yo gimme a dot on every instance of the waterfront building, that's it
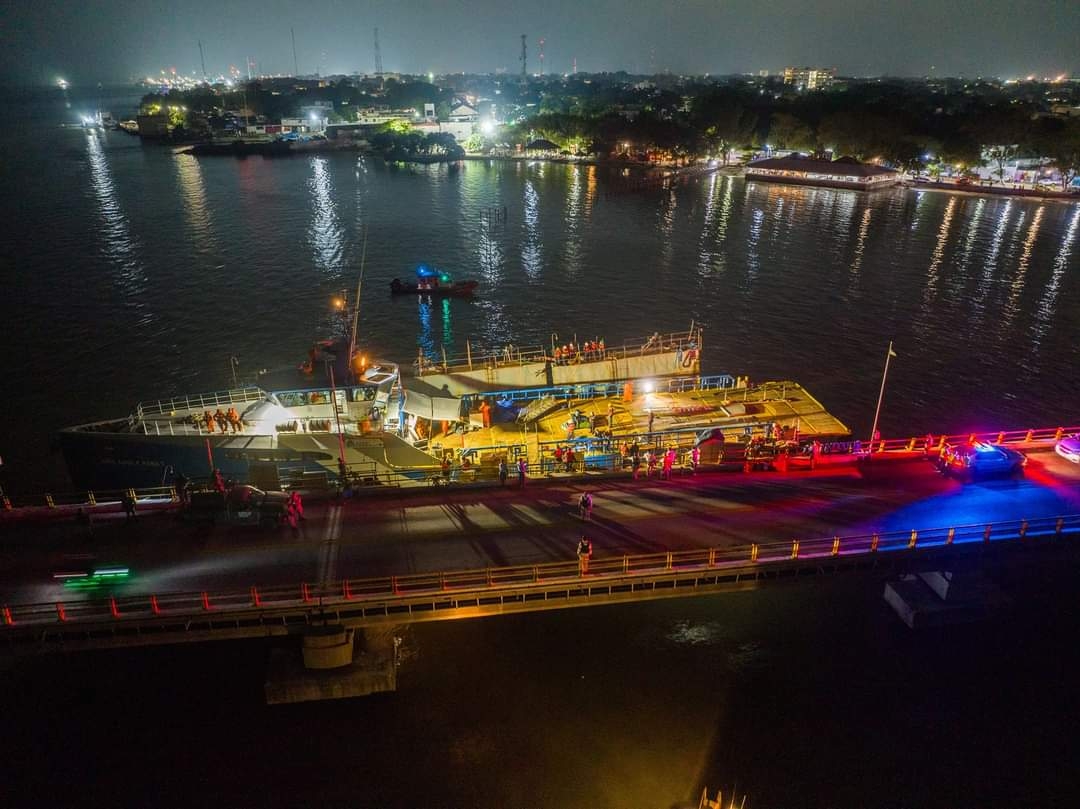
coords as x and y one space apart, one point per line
809 78
845 172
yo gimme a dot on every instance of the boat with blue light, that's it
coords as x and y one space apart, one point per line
434 282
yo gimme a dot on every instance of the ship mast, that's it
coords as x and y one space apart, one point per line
356 304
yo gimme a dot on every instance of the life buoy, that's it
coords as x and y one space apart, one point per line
689 358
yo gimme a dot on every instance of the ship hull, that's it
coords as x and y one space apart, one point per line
103 460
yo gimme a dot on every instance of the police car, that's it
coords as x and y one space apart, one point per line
980 460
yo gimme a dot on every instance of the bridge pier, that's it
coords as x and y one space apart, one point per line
942 597
333 662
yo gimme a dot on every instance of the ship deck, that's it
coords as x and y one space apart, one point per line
676 419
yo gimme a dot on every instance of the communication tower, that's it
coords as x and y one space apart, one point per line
378 54
541 56
524 60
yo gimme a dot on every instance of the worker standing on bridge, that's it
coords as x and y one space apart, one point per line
584 554
485 414
208 420
523 470
503 472
585 506
695 459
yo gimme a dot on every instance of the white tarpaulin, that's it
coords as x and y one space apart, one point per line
428 402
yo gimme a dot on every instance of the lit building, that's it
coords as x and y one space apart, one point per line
845 172
809 78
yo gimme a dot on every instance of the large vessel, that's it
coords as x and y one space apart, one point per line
340 414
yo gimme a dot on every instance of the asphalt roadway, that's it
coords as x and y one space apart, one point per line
434 530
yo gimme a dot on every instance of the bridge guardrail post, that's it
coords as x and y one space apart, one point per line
712 557
394 585
986 532
667 562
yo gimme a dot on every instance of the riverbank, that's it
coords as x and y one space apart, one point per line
980 191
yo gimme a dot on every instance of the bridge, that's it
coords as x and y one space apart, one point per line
458 552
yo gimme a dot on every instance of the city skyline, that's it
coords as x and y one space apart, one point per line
44 41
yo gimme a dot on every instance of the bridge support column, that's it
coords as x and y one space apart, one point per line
335 662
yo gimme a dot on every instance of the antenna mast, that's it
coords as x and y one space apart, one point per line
202 60
524 62
378 54
295 64
356 305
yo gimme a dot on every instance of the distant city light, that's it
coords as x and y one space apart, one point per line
488 128
62 84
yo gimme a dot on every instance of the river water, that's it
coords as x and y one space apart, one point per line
135 272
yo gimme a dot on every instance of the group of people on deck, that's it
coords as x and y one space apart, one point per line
586 352
223 420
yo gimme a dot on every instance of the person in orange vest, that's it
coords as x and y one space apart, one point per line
208 419
234 419
485 413
223 422
628 392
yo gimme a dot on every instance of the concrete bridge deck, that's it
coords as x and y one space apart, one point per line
438 531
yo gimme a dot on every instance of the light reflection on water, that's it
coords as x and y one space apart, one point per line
118 244
325 233
531 251
189 177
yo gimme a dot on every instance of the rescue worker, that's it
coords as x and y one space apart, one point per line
485 414
585 506
584 553
234 419
503 472
523 470
569 459
297 504
628 392
222 421
208 420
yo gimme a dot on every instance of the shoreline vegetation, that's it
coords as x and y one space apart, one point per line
1026 132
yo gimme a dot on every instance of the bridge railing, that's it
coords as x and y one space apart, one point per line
202 401
390 590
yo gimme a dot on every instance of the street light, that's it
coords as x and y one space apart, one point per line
881 395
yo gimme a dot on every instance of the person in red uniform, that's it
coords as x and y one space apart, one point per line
485 413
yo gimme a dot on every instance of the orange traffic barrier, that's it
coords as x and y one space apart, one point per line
345 591
255 599
61 613
1060 432
115 610
154 606
7 616
205 601
305 593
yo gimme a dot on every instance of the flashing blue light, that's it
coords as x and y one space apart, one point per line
424 271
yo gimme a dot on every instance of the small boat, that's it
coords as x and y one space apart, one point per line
430 281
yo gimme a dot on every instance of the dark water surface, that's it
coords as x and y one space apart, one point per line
132 272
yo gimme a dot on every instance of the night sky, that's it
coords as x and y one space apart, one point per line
113 40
